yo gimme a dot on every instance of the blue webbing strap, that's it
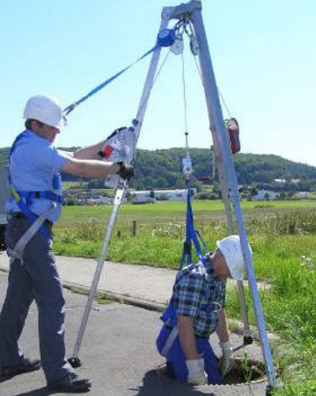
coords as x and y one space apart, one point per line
71 107
190 233
207 250
50 195
17 139
190 236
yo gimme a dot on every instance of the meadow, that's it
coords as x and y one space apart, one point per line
283 239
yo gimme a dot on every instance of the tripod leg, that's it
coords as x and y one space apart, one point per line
74 359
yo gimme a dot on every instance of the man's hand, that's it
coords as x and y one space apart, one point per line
226 364
196 373
126 171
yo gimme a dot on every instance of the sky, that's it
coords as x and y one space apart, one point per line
263 54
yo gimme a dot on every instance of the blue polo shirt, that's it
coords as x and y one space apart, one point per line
34 166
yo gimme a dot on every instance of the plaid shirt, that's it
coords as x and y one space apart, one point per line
199 294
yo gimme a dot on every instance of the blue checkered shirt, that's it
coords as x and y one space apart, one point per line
199 294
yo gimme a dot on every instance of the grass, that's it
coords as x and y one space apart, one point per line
283 241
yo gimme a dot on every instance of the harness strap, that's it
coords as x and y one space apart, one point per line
190 233
169 342
17 252
17 139
50 195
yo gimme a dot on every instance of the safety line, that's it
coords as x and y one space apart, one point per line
153 83
221 96
71 107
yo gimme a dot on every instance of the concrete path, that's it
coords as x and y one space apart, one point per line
140 282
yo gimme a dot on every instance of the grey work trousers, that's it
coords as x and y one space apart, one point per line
37 279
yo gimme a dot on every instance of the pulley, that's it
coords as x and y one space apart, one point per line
187 165
166 37
178 46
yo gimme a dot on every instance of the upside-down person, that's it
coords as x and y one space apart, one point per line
34 206
196 310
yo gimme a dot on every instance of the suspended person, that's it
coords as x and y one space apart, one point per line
36 200
196 310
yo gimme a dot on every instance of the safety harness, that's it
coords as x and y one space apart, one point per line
24 201
169 314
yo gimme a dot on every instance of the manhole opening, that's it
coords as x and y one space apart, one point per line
245 371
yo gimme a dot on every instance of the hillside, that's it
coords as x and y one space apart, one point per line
163 169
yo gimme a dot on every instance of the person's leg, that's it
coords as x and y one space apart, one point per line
40 263
175 360
15 308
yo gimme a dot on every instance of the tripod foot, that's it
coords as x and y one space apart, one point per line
248 340
270 389
74 361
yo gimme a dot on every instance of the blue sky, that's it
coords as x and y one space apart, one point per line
263 55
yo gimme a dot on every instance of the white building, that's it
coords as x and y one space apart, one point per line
303 195
160 195
265 195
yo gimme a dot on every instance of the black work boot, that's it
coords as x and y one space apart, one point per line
26 366
70 384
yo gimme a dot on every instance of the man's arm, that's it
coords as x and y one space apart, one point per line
222 326
90 168
223 335
187 337
194 362
90 152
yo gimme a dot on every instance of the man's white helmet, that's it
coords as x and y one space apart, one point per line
45 109
231 249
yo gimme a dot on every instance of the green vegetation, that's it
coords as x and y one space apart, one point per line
160 169
282 235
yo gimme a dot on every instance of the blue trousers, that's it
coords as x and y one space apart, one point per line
176 357
37 279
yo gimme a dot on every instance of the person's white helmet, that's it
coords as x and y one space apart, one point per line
45 109
231 249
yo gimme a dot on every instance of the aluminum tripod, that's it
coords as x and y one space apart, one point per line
228 180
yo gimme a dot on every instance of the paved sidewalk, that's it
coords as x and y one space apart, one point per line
140 282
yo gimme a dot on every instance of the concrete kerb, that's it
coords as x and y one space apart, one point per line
121 298
234 325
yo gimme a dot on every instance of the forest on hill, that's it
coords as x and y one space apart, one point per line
158 169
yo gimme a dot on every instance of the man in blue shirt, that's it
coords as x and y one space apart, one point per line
34 206
196 310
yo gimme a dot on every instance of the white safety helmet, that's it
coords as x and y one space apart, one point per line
231 249
45 109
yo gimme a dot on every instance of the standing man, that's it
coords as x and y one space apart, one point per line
196 310
34 206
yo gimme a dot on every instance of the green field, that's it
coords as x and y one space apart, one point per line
283 240
164 210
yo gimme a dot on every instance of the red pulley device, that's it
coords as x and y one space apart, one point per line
233 133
